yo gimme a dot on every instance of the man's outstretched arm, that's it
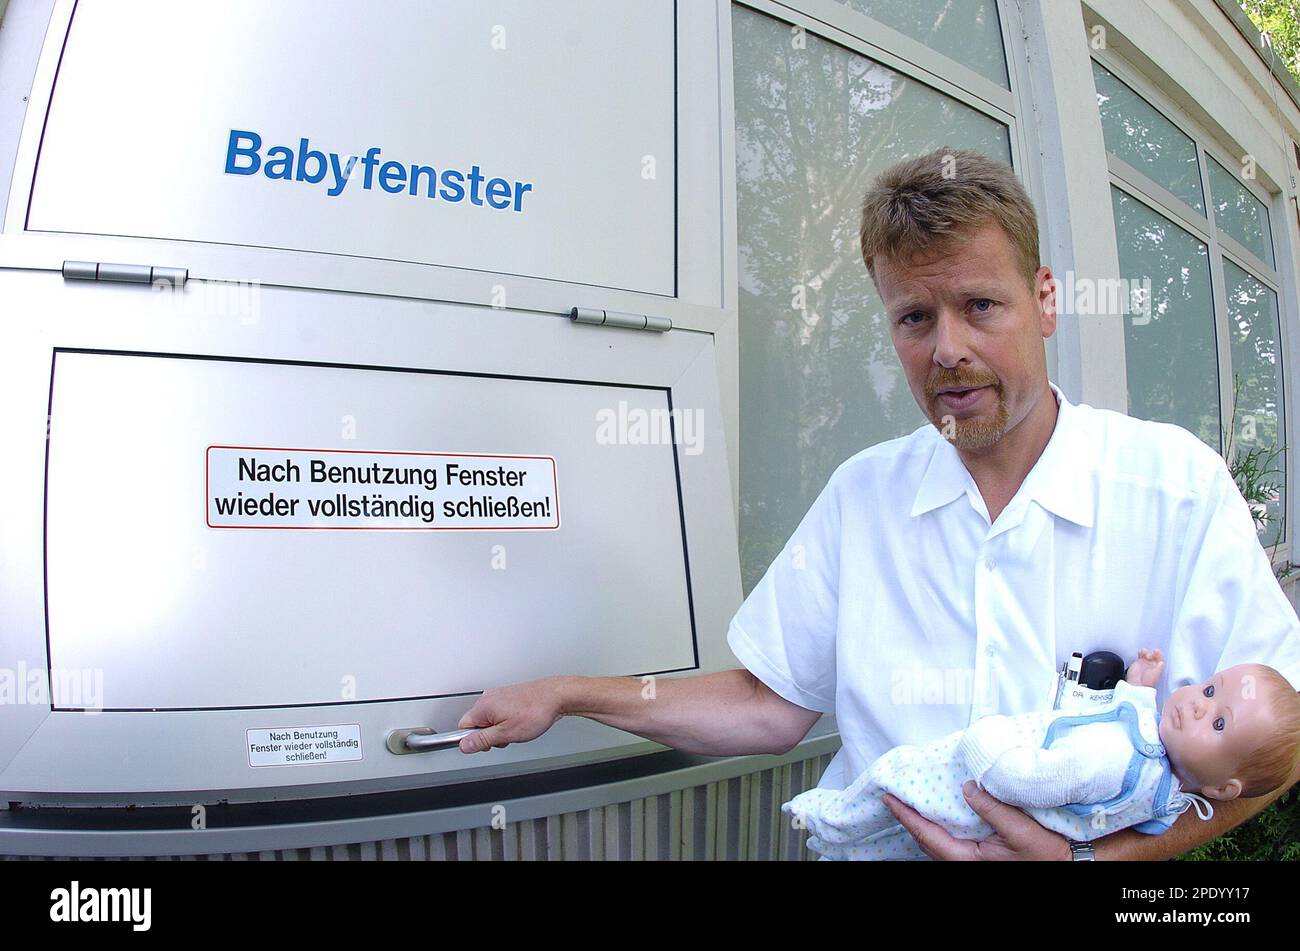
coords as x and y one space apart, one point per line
724 714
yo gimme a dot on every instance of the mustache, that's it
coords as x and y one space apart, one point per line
945 379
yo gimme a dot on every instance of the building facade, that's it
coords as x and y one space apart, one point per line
1158 140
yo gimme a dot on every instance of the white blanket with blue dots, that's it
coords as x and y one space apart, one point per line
1006 756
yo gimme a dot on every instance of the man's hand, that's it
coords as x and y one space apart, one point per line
513 714
1146 670
1015 833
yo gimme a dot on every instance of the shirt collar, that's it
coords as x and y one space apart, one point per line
1059 481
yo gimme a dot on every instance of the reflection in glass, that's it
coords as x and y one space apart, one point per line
1257 378
1239 213
965 30
1135 132
1173 372
819 379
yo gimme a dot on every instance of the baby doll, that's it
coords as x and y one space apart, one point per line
1081 775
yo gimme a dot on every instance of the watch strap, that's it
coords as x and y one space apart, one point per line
1082 852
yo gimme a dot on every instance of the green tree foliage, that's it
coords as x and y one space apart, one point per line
1280 19
1273 835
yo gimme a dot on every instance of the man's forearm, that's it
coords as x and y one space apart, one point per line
714 714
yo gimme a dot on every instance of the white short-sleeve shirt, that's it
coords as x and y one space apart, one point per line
897 606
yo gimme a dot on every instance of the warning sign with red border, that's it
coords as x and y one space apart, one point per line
358 490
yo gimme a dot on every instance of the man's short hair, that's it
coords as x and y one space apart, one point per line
923 203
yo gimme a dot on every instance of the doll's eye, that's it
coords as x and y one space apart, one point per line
1218 724
1209 690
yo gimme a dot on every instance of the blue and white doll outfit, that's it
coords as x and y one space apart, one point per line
1083 775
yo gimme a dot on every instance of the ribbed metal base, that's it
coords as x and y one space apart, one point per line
738 818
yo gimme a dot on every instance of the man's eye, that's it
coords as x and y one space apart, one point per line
985 301
907 318
1209 691
1218 724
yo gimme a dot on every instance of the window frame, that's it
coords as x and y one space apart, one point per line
895 44
1220 245
858 33
837 23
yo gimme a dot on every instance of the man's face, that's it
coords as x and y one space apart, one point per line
969 333
1210 729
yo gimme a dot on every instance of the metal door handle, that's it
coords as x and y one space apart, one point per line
422 739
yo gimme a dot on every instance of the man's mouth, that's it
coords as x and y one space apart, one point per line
959 397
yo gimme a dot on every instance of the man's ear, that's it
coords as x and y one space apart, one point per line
1045 291
1224 792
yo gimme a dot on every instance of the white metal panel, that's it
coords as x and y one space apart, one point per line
180 613
20 47
190 756
569 105
703 234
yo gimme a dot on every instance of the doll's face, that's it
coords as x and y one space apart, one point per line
1209 729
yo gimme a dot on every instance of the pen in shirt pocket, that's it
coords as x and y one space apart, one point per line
1068 677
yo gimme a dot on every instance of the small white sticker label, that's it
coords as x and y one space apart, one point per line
304 745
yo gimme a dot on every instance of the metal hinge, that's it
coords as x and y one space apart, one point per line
614 318
124 273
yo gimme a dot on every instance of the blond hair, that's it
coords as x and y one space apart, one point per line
1273 762
923 203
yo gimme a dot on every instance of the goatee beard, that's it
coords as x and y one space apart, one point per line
973 433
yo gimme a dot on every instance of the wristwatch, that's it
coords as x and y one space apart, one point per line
1082 851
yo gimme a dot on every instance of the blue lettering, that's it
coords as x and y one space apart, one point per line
304 156
520 188
455 180
244 157
234 150
372 156
342 175
498 193
281 165
417 171
392 177
475 179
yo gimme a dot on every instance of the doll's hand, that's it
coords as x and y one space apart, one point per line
1146 670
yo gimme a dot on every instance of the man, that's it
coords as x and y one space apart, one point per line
975 554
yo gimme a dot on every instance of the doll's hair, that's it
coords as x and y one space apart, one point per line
1273 762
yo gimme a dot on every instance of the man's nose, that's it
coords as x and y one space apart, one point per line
950 344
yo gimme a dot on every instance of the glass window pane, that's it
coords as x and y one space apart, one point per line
965 30
1239 213
819 379
1172 363
1257 382
1140 135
